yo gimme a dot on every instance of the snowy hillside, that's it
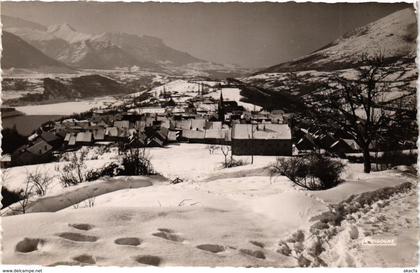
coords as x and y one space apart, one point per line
394 36
186 89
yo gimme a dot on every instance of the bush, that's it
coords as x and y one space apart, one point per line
136 162
110 170
74 172
233 163
9 197
395 158
11 140
313 171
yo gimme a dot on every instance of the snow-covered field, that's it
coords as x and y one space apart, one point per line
234 94
215 217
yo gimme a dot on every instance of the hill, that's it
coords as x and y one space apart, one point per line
19 54
394 36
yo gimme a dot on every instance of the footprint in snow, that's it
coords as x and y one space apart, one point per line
85 259
81 226
29 245
254 253
148 260
77 237
211 248
128 241
168 234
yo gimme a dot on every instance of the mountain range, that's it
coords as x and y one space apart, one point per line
394 36
75 49
63 46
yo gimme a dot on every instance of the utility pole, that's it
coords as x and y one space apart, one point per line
251 146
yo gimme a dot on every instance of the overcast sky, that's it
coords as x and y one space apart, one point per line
248 34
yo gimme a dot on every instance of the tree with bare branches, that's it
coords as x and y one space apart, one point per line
227 153
355 104
40 181
75 171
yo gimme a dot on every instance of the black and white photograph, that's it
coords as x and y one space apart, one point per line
209 134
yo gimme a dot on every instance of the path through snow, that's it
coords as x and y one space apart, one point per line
384 235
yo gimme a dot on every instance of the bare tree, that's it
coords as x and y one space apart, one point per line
355 105
25 194
212 148
226 151
75 171
40 181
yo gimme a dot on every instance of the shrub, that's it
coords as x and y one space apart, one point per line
313 171
9 197
110 170
395 158
233 163
40 181
136 162
11 140
74 172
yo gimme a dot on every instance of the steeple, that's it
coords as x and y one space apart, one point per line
221 108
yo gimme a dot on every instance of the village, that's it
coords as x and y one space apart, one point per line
193 111
209 134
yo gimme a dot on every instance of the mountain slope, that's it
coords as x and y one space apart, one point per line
103 51
394 36
67 33
19 54
147 48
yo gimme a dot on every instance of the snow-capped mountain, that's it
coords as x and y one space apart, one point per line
67 33
19 54
147 48
108 50
394 36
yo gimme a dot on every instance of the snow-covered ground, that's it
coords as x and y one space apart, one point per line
190 89
387 235
234 94
215 217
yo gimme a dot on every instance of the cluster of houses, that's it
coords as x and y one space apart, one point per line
306 141
170 117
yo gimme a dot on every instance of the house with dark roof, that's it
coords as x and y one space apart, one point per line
344 146
137 140
306 143
51 138
39 152
261 139
324 141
